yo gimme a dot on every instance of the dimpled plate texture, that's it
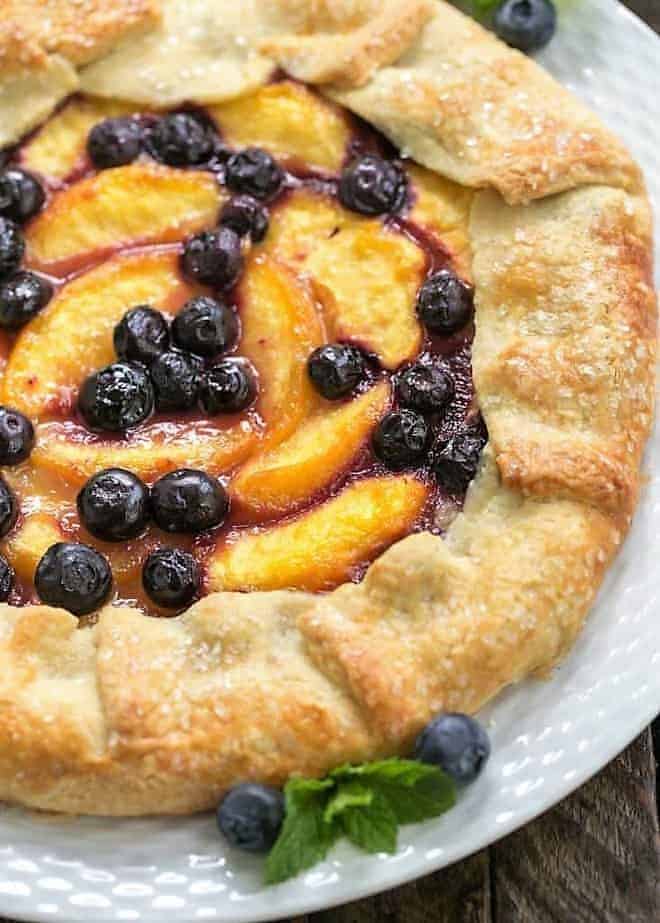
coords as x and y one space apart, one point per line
548 737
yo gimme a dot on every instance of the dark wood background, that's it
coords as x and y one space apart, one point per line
595 858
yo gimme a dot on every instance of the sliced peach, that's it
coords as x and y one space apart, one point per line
311 459
443 209
281 328
29 542
320 548
290 121
140 203
73 336
303 221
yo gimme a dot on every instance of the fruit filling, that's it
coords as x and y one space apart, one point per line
235 350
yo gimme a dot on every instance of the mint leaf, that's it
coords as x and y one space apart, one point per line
350 795
373 827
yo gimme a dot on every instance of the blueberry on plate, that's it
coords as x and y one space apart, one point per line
457 744
205 326
176 378
76 577
6 579
253 171
21 194
230 386
117 397
22 296
114 142
16 436
188 501
373 186
114 505
12 247
425 387
444 303
141 334
401 439
454 461
525 24
171 577
213 258
180 139
250 816
336 369
245 215
8 508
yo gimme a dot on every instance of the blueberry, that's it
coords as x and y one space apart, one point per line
245 215
188 501
114 142
250 816
373 186
114 505
401 439
176 379
444 303
22 296
457 744
117 397
74 577
454 461
336 369
141 334
205 326
255 172
213 258
21 194
12 247
6 579
526 24
8 508
16 437
180 140
230 386
426 388
171 578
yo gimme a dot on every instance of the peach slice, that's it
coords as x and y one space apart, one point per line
29 542
311 459
320 548
140 203
73 336
443 209
280 329
290 121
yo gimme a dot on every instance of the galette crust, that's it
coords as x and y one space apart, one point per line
137 715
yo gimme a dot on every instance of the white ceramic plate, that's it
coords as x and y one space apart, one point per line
547 737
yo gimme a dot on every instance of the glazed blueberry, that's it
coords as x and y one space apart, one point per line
336 369
230 386
6 579
176 378
454 461
22 296
373 186
117 397
205 326
526 24
21 194
114 505
12 247
457 744
401 439
141 334
16 437
245 215
188 501
114 142
444 303
171 578
8 508
180 140
255 172
213 258
75 577
426 388
250 816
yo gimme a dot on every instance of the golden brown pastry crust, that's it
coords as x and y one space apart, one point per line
138 715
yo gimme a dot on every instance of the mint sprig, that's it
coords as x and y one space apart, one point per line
365 803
